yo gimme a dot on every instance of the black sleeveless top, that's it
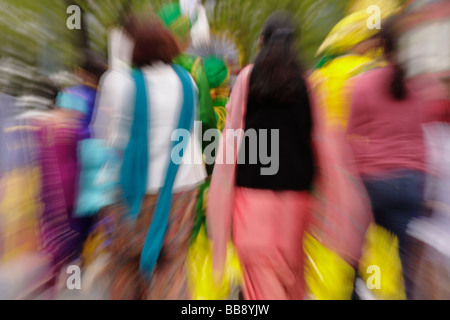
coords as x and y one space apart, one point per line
292 165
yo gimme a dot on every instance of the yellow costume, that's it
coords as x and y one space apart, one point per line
328 276
332 88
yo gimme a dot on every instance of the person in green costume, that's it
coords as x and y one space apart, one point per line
217 75
179 24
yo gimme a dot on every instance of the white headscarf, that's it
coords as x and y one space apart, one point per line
200 32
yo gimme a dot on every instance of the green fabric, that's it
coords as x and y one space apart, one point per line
186 61
221 101
325 60
216 71
178 23
194 66
170 13
200 219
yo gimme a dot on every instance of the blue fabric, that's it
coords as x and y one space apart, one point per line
88 94
96 185
70 101
133 175
158 227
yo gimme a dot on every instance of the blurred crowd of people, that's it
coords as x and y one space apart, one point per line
358 205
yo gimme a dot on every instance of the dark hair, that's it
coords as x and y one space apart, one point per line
277 71
152 41
94 63
389 38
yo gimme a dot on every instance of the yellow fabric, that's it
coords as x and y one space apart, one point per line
327 275
220 92
387 7
19 208
353 28
381 251
221 113
200 271
95 245
333 89
347 33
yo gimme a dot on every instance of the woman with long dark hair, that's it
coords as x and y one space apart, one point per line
385 132
267 201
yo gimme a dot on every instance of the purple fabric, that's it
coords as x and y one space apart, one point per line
58 140
89 95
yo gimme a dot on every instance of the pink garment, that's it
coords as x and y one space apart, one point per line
341 209
341 206
221 191
268 228
436 98
385 134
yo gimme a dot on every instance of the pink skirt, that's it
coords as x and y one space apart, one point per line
268 228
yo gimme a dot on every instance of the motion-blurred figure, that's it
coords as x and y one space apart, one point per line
214 54
179 19
350 48
269 212
385 132
158 193
89 74
30 255
76 106
424 30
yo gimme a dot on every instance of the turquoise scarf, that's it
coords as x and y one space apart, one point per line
134 170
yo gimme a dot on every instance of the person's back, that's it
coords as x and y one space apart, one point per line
152 107
267 206
165 101
291 116
385 133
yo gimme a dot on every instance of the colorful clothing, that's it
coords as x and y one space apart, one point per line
268 228
58 139
40 179
217 73
20 185
155 219
333 85
81 101
354 28
339 65
88 94
178 23
341 212
127 243
381 137
389 151
194 65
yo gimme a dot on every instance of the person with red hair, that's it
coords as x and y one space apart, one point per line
157 194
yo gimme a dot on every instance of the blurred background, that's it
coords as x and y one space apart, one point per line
39 57
36 43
